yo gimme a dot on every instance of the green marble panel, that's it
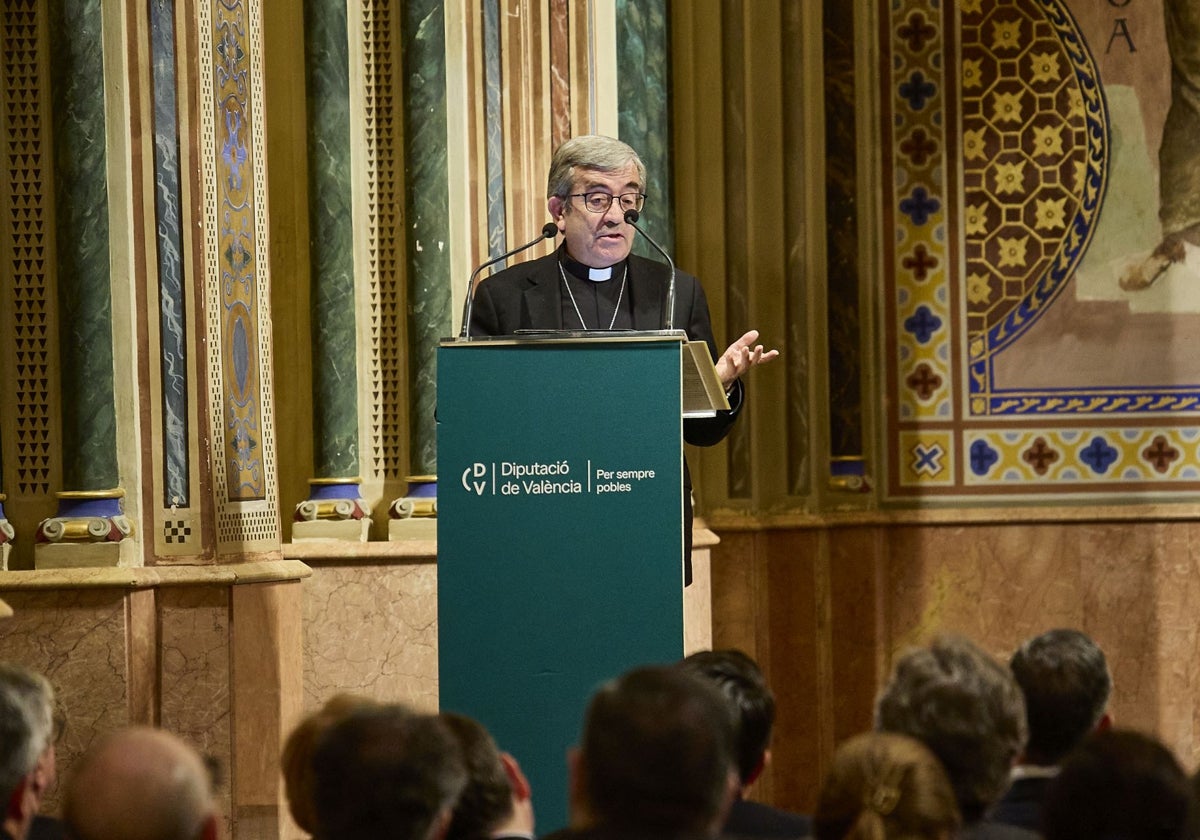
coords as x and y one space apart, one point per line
331 240
644 111
82 230
427 199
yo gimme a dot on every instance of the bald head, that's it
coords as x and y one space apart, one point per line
140 784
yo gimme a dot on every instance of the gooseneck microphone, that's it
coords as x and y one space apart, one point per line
549 231
631 217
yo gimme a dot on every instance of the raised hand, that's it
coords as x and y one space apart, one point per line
740 356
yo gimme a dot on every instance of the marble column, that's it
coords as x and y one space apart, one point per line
424 54
334 507
90 523
643 109
497 229
423 36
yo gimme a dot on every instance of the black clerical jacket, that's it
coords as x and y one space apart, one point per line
529 296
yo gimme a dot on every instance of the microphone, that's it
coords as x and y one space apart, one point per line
549 231
631 217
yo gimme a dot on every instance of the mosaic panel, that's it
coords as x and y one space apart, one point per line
385 211
28 327
238 246
1000 139
928 459
239 341
921 302
1034 164
1057 456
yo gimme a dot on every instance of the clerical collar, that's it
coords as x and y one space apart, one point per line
583 272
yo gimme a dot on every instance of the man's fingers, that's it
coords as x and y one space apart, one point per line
747 339
744 354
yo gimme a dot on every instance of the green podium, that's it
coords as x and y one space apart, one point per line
560 537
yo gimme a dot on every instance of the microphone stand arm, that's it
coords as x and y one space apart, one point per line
549 231
631 217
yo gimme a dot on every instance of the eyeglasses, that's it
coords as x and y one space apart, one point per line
599 202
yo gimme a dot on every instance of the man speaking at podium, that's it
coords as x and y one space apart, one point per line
592 282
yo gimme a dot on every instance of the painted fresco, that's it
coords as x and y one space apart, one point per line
237 281
1043 292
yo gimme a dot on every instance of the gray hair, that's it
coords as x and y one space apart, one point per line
967 708
26 723
1065 679
590 151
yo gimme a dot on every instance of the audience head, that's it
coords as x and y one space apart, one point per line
27 761
386 772
592 152
966 707
657 755
1195 782
1119 784
739 678
884 786
1066 683
496 798
298 754
140 784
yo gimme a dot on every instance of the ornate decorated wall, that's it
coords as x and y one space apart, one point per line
1022 156
984 421
222 318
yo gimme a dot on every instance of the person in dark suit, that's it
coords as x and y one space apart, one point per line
296 761
741 681
1066 683
1120 784
593 283
968 710
28 767
496 803
656 760
384 772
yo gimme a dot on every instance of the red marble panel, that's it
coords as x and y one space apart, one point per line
194 674
77 640
858 643
371 630
797 664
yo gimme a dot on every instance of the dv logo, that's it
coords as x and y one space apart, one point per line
474 478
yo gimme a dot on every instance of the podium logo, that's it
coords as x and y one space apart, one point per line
474 478
550 478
